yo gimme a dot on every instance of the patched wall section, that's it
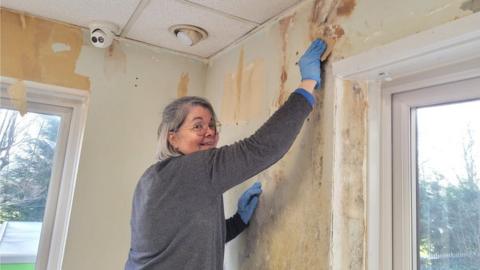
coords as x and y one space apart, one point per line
38 50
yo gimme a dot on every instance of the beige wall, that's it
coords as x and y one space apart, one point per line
119 144
129 87
312 211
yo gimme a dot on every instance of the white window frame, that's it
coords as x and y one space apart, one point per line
428 58
404 107
58 208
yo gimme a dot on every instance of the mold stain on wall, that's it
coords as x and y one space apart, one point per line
284 26
473 5
322 24
243 92
291 228
345 7
349 228
28 50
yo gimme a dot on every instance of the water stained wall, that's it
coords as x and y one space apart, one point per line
348 246
311 214
312 211
243 92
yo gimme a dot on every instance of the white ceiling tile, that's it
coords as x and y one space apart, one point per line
77 12
254 10
153 23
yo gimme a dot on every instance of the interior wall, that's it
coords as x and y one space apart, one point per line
312 211
129 87
119 144
310 189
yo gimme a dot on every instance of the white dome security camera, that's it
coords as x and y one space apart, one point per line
102 33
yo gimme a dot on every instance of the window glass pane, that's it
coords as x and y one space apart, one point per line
448 186
27 148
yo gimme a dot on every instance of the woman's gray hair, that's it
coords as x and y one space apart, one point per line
173 117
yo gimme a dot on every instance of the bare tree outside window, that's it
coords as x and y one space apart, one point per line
27 151
448 187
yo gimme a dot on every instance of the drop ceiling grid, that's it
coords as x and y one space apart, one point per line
77 12
254 10
153 23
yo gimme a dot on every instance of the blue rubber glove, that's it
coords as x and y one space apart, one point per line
248 202
310 62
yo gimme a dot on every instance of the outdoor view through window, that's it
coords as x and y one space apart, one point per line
27 150
448 186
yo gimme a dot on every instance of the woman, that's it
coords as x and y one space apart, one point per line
177 216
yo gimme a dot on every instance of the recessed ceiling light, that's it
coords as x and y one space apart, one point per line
188 35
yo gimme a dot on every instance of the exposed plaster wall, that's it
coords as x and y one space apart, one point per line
39 50
291 228
312 211
129 86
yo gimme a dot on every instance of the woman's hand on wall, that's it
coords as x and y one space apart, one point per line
310 65
248 202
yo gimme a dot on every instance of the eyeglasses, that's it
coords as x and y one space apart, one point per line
201 128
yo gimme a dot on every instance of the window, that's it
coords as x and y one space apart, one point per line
38 156
448 186
436 184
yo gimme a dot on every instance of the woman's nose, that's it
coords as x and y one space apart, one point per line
210 131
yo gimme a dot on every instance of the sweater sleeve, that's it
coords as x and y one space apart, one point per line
235 226
230 165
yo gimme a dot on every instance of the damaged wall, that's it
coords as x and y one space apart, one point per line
313 195
39 50
312 211
129 86
348 242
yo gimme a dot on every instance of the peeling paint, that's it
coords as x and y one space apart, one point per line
243 93
345 7
330 33
18 95
472 5
238 89
26 50
319 28
22 21
182 88
318 16
284 25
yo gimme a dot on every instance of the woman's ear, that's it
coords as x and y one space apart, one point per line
172 139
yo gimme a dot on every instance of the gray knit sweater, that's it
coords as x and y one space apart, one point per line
177 216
